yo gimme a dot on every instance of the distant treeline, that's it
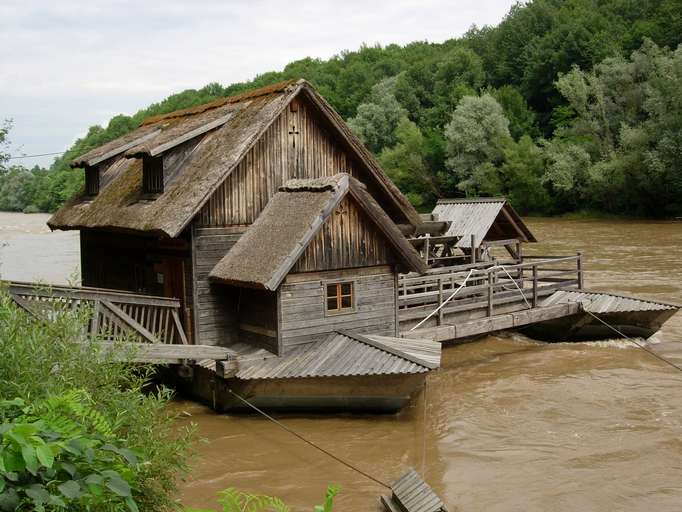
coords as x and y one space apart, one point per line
564 106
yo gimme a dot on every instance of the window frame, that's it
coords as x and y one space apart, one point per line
338 296
152 175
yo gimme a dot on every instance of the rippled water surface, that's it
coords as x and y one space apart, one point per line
508 424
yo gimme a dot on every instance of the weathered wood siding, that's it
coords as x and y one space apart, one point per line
296 145
303 316
215 305
348 239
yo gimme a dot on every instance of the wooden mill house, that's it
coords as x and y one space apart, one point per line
278 233
257 237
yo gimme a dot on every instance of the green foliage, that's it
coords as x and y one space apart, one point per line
61 454
115 406
235 500
552 66
475 139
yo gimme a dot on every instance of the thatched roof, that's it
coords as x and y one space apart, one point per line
265 254
488 218
223 131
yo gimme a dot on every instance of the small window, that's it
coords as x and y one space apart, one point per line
339 297
152 174
92 181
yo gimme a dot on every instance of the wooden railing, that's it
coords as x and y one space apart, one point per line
486 286
115 314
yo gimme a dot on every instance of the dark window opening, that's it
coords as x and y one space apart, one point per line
91 181
152 174
339 297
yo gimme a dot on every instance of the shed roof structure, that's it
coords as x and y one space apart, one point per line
343 354
487 218
217 136
266 253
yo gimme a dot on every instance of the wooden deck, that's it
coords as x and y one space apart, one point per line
480 294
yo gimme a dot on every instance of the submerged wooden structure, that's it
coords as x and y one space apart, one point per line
259 234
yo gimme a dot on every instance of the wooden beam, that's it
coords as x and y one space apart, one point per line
129 321
495 323
178 326
163 352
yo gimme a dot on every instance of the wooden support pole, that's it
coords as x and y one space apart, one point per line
490 293
579 263
535 286
473 248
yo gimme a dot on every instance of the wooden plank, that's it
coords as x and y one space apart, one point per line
147 352
499 322
178 327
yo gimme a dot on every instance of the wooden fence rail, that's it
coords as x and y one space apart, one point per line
489 285
114 314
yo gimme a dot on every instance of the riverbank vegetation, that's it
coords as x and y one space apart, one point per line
80 430
563 106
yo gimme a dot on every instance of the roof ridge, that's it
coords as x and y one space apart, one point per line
318 184
388 349
220 102
455 200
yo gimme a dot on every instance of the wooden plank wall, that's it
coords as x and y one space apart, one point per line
215 305
295 146
348 239
303 317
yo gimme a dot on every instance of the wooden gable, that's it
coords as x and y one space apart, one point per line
300 143
347 239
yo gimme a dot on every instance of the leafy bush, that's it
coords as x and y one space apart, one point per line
62 453
46 361
234 500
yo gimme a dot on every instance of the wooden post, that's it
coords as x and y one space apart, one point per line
426 249
440 300
490 293
473 248
535 286
581 279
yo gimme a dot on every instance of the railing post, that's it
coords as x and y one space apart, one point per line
581 279
473 248
440 300
427 248
535 286
490 293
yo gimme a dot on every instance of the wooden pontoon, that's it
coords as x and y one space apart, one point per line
257 241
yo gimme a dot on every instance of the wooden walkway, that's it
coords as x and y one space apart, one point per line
465 300
140 328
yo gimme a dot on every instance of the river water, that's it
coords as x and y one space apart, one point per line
507 424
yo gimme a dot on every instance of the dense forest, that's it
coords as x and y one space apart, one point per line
564 106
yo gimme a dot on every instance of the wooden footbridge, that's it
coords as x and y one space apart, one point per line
152 323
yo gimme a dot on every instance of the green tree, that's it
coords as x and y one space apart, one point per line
377 119
475 137
407 167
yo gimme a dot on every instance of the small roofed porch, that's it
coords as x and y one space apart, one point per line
470 230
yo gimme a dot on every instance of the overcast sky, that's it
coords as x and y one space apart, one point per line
68 64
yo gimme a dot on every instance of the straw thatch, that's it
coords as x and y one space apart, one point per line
266 253
217 135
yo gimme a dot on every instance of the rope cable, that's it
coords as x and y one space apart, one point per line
293 432
631 340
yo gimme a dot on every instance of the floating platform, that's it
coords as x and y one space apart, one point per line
345 371
628 315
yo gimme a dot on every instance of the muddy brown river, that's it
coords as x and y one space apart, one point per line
507 424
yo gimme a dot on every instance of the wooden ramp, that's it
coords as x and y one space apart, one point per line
411 494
